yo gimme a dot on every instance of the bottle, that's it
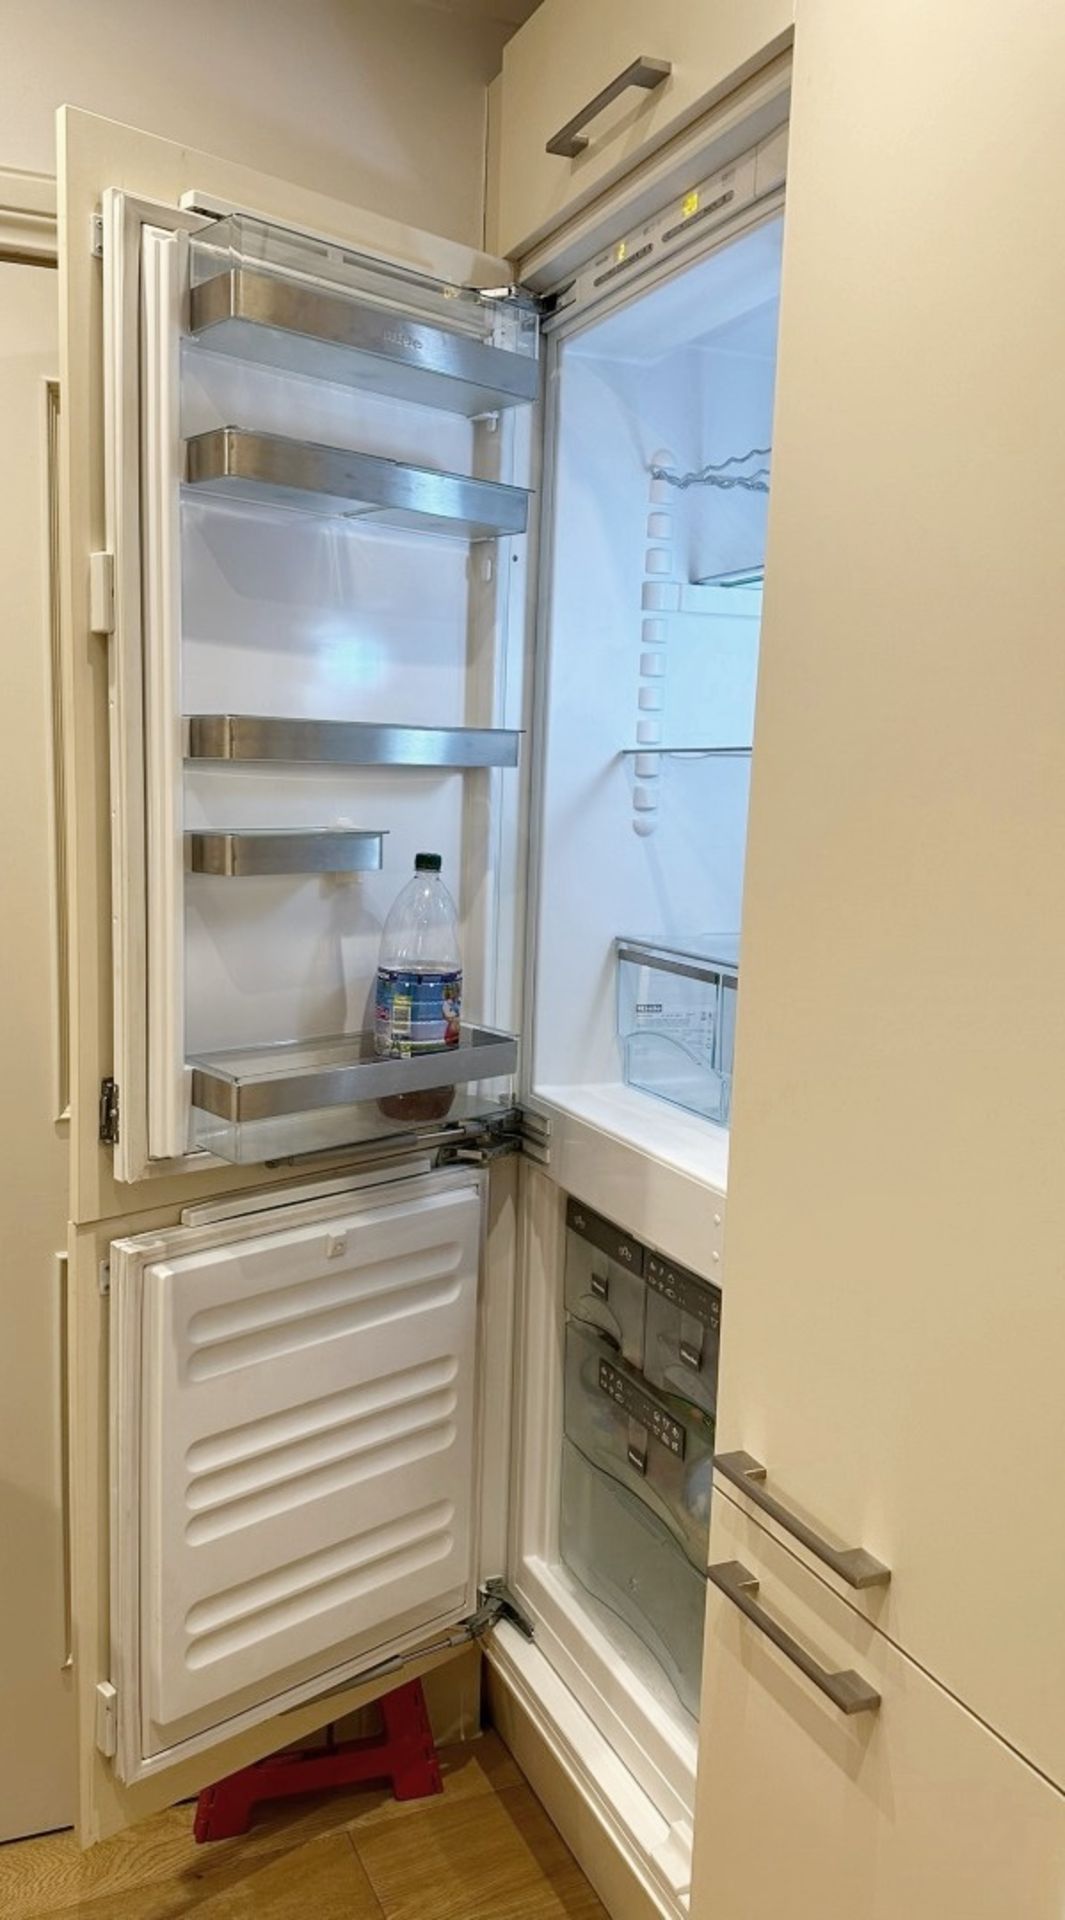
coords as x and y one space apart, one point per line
418 1001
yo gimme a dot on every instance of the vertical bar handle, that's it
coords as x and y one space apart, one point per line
846 1689
642 72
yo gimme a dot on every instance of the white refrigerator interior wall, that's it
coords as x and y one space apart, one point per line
310 617
649 845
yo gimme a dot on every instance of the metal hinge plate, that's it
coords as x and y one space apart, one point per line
96 235
516 1131
107 1719
109 1113
496 1602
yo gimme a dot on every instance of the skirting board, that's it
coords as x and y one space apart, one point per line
618 1887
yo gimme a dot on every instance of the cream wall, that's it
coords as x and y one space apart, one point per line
380 102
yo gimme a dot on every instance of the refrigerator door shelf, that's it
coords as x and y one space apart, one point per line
328 335
250 852
301 1096
258 738
273 470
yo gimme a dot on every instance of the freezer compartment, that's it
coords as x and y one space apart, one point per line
604 1279
287 300
664 1320
255 1103
270 468
631 1563
659 1448
676 1010
682 1333
251 739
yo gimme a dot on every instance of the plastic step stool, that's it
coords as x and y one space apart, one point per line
404 1753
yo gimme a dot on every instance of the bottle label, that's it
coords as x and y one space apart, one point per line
417 1012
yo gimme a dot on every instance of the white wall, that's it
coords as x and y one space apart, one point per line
380 102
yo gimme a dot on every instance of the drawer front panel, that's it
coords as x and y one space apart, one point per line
804 1810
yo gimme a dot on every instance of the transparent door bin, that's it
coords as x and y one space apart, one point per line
286 300
251 1104
604 1280
629 1562
659 1449
682 1333
677 1020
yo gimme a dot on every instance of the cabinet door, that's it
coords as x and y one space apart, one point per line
570 53
803 1810
895 1320
293 1483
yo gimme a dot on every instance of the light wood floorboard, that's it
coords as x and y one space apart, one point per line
483 1850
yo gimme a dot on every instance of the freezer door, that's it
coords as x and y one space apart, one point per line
293 1428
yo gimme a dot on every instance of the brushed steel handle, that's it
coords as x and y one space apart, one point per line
853 1564
643 72
846 1689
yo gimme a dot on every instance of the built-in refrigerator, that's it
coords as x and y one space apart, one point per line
395 563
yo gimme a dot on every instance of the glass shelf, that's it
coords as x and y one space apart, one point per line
337 336
248 852
250 1103
267 467
687 753
254 738
734 577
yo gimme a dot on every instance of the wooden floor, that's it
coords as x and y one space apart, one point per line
483 1850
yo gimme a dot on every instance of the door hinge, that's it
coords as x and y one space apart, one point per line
535 1135
109 1113
96 235
495 1603
107 1719
516 1131
556 300
101 592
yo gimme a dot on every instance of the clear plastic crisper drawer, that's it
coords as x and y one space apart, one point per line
658 1448
677 1019
627 1560
604 1279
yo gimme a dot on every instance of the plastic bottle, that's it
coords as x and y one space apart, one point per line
418 1002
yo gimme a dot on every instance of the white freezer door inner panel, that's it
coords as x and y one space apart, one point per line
306 1451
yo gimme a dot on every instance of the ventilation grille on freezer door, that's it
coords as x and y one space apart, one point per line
306 1478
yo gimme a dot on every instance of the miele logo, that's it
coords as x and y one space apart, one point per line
398 337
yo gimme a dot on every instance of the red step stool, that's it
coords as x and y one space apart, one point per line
404 1753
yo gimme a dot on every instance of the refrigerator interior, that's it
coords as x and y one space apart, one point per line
652 625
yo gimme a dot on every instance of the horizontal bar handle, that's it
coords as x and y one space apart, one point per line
846 1689
643 72
853 1564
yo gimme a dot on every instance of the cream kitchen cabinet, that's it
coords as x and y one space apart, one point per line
907 1807
591 87
895 1319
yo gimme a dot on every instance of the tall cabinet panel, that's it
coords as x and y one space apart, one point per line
906 1805
896 1317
